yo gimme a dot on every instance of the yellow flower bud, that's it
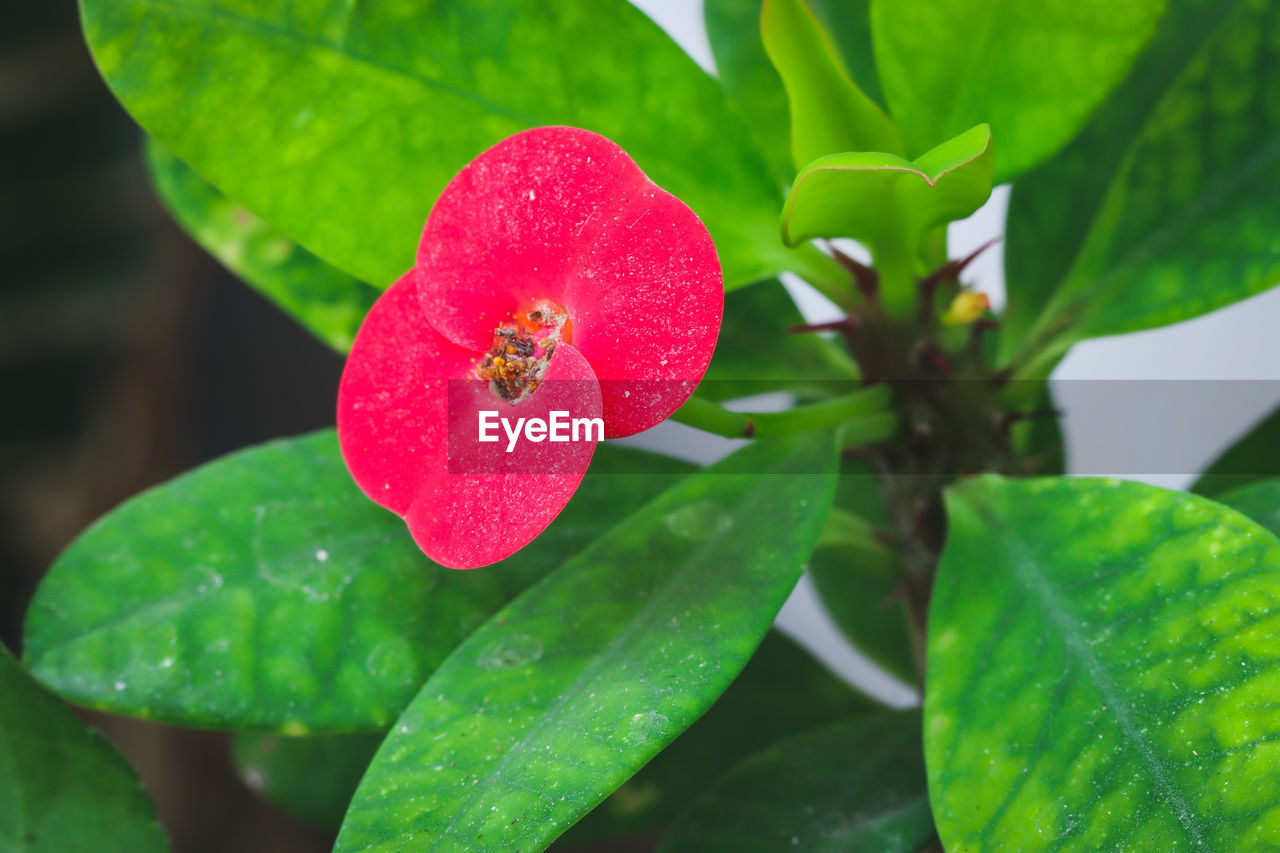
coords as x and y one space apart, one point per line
968 306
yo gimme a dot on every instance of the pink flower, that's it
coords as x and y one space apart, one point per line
552 276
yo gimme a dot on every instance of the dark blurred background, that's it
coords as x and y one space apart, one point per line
127 355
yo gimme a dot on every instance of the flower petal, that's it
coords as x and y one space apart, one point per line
408 415
392 401
513 225
646 306
564 214
494 498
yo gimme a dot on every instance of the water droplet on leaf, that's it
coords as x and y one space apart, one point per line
515 650
646 727
698 520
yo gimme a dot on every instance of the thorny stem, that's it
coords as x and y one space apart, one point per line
954 421
833 326
932 410
950 271
867 280
1008 419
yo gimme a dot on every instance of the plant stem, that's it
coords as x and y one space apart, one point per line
895 264
869 429
865 414
933 246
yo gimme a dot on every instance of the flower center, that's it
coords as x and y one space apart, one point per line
522 350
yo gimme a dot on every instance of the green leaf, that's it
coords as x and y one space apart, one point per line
1051 209
783 690
829 113
263 591
848 23
1034 71
575 685
1166 208
340 123
882 199
755 355
858 587
1259 500
1102 666
1252 457
326 301
63 787
744 70
311 778
854 787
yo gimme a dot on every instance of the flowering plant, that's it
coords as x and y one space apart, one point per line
552 276
615 238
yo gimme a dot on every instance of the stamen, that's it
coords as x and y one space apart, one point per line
522 350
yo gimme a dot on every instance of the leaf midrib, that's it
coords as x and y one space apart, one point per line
183 598
874 824
1041 587
259 26
1073 282
1058 291
668 589
1186 219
